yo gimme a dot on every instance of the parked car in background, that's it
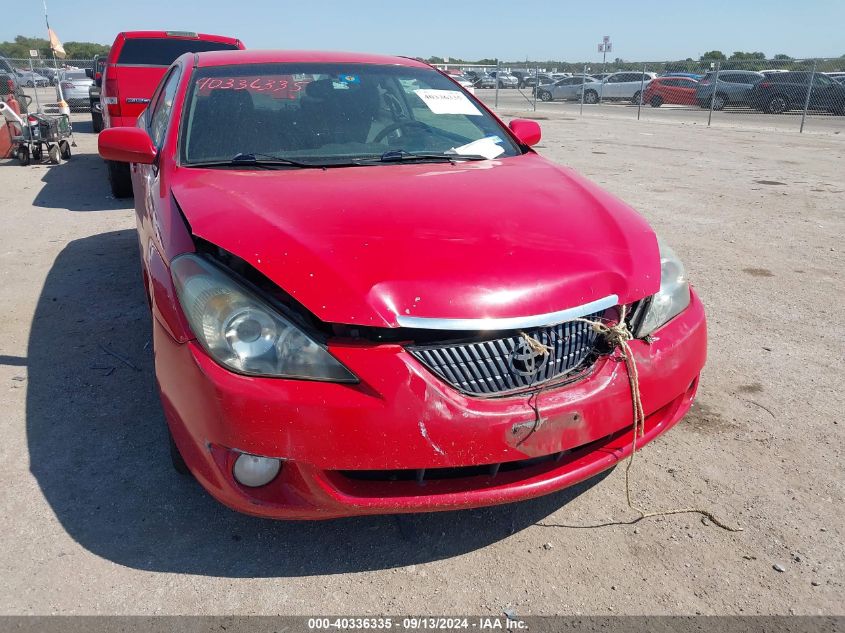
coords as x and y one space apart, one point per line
31 79
135 64
311 365
732 88
534 80
50 73
601 76
695 76
504 79
12 85
94 103
773 71
74 85
465 82
621 86
836 76
674 90
564 89
788 91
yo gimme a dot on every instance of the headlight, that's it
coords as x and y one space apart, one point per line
242 331
673 296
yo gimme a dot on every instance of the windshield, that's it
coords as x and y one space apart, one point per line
331 113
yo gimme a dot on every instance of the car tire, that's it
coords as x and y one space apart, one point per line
97 121
545 95
176 458
23 155
719 101
591 97
636 98
501 86
119 179
777 104
30 84
656 101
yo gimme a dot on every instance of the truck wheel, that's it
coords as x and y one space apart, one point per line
119 179
97 121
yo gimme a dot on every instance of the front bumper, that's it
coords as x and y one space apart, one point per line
348 447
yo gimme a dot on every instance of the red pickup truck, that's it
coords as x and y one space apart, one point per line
135 65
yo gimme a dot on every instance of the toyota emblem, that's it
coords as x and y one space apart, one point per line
527 361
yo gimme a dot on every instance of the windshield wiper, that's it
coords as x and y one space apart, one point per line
401 156
259 160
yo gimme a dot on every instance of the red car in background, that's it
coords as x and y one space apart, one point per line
135 65
675 90
366 294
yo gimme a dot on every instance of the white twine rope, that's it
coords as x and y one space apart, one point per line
618 335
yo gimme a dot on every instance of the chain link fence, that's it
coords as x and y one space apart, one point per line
715 90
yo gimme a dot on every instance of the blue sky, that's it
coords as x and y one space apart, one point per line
646 30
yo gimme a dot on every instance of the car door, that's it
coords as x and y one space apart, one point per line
826 95
145 178
683 91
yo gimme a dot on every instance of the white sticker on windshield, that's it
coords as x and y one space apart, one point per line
487 147
447 102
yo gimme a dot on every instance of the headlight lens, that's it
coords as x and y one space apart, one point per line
243 332
673 296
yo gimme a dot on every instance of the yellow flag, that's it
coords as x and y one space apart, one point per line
56 45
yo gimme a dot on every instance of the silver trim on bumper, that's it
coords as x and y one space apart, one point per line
508 323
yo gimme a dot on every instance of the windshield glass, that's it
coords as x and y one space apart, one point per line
332 113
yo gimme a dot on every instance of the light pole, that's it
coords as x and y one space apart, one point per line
605 47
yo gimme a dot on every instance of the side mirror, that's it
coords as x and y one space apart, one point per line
89 72
126 145
527 131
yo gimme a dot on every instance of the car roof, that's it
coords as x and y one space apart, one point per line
185 35
227 58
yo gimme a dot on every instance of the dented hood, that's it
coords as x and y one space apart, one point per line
366 245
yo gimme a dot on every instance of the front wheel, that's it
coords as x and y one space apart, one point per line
656 101
591 97
719 102
545 95
636 97
97 121
119 179
777 105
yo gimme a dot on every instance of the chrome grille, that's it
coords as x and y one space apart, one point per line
504 365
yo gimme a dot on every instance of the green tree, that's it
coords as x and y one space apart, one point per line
713 56
742 56
782 57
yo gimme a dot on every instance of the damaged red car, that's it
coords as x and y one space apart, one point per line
355 313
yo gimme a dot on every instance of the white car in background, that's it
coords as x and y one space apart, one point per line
74 86
622 86
565 89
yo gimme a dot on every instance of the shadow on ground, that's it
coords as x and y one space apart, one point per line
98 448
78 184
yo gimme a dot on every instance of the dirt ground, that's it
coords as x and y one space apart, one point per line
95 521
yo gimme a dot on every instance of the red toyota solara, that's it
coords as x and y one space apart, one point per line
354 312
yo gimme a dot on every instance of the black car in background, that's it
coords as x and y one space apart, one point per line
780 92
11 84
96 73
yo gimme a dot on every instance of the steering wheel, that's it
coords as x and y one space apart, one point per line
399 125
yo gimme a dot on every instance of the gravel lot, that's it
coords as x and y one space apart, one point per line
96 522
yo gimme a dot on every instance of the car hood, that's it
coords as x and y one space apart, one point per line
509 238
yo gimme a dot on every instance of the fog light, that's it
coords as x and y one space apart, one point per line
254 471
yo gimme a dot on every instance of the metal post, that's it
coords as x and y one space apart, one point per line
498 70
583 83
37 102
537 83
807 100
642 86
713 96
